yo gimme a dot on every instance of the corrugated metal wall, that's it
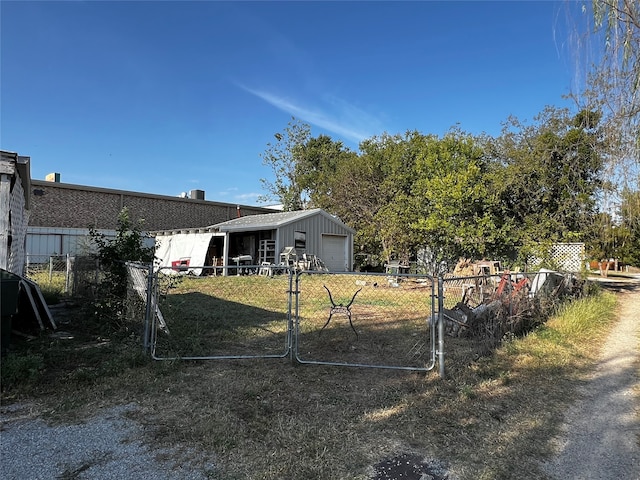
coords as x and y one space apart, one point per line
315 227
60 241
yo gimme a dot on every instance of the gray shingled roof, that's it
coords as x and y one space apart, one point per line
270 221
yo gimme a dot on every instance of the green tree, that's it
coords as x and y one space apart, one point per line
407 192
600 237
355 197
628 235
318 166
372 192
611 49
454 196
283 157
395 156
551 176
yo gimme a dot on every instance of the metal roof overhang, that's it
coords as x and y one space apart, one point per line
273 221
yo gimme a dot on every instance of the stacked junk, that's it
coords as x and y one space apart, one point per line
23 306
495 303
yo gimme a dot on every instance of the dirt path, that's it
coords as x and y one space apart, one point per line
601 437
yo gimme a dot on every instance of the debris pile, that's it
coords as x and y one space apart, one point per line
495 305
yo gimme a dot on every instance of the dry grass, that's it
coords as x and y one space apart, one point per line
52 284
248 316
492 417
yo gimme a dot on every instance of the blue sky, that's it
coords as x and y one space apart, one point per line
166 97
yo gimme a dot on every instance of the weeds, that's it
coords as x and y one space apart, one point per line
580 319
492 417
52 285
23 369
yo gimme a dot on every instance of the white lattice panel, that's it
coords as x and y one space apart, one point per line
568 256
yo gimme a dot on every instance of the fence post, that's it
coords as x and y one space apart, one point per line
294 294
441 326
148 307
50 269
67 274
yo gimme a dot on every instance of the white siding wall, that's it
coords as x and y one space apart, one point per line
315 227
13 216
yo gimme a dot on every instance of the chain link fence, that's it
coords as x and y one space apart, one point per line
64 275
400 321
230 313
480 312
338 319
51 271
372 320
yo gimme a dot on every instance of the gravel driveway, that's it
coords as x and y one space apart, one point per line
106 447
601 437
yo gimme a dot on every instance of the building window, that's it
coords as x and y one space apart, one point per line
300 240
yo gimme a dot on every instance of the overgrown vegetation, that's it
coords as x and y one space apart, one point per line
568 176
21 370
53 287
127 246
108 305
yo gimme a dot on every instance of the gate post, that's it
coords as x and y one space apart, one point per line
148 309
67 273
294 323
290 319
441 327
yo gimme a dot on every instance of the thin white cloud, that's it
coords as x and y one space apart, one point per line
244 198
247 196
227 191
348 121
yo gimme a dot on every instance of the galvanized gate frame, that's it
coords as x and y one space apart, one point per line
155 314
153 321
434 317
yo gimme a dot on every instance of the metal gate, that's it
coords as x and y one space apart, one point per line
342 319
234 314
365 320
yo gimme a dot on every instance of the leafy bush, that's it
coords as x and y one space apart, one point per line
108 305
127 246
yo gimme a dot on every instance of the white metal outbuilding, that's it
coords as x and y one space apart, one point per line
260 238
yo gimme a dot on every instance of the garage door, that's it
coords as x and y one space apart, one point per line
334 253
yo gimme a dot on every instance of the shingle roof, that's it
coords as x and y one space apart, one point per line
270 220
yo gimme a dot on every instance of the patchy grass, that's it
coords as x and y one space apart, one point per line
491 417
365 320
52 285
